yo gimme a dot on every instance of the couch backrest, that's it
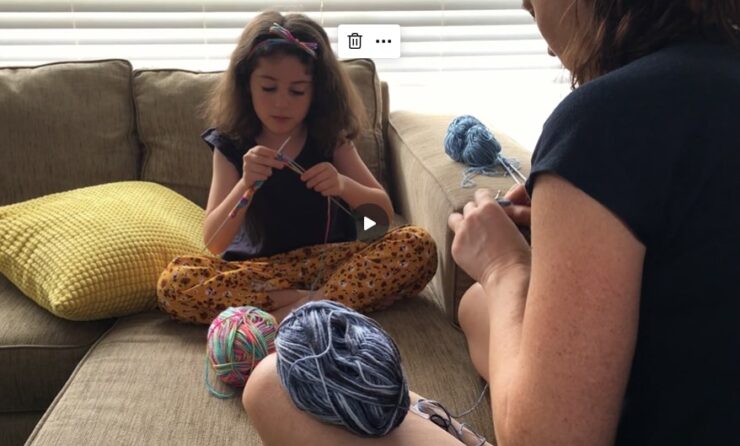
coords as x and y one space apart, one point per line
65 125
75 124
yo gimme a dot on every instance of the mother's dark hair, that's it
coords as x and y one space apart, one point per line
615 32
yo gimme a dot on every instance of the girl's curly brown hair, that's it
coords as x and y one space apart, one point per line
335 115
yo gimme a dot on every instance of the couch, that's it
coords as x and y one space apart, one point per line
139 378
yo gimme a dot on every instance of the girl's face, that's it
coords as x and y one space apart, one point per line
281 91
556 20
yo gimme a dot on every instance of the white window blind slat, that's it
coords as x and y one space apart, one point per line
237 19
412 51
93 36
229 6
437 35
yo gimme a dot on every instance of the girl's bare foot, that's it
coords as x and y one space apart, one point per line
388 301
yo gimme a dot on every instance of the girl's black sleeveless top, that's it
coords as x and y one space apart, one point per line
284 214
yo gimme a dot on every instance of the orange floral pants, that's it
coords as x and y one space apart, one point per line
359 275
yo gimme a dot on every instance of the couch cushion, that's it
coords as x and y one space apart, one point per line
434 191
96 252
170 121
65 125
371 143
144 382
38 352
16 427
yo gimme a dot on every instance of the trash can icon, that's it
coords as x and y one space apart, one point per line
355 41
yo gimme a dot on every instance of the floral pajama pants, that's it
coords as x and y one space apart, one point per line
359 275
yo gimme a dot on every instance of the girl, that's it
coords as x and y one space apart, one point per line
284 116
620 325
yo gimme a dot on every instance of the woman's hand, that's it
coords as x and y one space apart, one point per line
486 240
258 163
520 212
325 179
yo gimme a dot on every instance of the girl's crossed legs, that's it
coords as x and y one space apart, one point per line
365 277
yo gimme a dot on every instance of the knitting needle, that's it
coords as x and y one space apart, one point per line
297 168
513 171
245 200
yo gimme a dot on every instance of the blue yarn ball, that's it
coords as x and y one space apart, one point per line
343 368
455 138
469 141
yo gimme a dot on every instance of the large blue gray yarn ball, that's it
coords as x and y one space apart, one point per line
343 368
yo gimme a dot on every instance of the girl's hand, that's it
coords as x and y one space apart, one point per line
325 179
486 240
521 211
258 163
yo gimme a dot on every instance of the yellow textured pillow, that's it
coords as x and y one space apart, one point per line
97 252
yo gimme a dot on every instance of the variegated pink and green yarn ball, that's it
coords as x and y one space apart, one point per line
238 339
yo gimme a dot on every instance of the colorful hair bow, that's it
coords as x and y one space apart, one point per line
287 36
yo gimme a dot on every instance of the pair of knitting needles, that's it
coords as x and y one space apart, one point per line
246 199
513 172
297 168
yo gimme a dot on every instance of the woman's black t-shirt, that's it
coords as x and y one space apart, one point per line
284 214
657 142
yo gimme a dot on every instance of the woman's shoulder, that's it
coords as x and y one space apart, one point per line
679 83
679 74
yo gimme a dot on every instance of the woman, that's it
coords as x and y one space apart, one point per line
620 324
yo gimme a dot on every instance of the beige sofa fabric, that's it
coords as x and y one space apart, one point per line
169 105
143 383
66 125
428 188
371 144
169 120
37 354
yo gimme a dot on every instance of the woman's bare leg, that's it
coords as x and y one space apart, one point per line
280 423
474 321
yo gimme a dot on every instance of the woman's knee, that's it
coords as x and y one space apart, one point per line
472 308
260 392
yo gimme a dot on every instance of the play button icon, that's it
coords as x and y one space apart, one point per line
367 223
371 222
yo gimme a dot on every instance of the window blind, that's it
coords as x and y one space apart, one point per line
460 35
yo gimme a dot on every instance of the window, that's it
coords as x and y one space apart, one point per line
456 49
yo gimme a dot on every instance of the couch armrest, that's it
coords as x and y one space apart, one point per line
427 189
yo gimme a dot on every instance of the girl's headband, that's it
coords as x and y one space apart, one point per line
286 36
